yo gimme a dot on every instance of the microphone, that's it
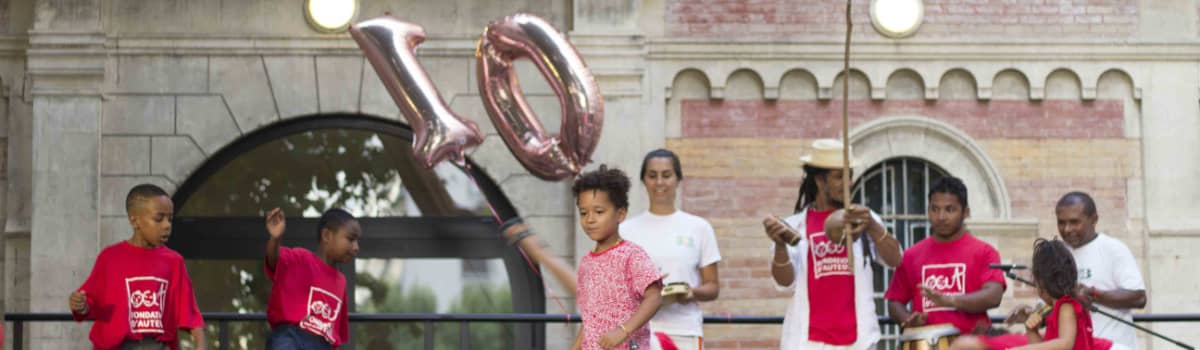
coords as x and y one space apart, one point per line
1007 267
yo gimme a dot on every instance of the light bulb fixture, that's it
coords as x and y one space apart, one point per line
330 16
897 18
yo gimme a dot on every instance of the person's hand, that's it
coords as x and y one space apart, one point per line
613 338
513 230
937 298
78 302
859 218
1086 294
1036 317
778 231
915 319
1019 315
276 223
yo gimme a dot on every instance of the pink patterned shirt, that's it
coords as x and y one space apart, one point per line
611 285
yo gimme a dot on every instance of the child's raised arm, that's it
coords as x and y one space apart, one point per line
649 306
518 233
276 223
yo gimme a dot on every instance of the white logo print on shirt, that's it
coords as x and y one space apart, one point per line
147 299
829 259
948 279
323 311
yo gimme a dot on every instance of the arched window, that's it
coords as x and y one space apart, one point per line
897 189
430 242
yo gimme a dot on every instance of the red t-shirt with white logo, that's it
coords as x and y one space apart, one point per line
952 268
136 293
830 286
309 294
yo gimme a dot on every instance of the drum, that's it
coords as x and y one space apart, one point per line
935 337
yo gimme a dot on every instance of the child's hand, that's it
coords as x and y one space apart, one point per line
78 302
1036 317
276 223
1019 315
510 233
613 338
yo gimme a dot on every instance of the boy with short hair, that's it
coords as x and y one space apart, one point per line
139 293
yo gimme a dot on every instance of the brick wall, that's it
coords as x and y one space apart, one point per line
741 157
943 18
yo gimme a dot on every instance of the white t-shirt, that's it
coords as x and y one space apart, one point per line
795 321
680 245
1106 264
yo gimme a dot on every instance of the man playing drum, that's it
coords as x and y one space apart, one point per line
946 276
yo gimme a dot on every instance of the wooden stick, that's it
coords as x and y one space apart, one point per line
846 141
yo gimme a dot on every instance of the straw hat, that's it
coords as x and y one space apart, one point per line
827 153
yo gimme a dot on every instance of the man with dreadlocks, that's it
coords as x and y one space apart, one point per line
832 307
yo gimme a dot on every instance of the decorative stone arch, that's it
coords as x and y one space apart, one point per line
941 144
958 84
1063 83
688 83
743 84
905 84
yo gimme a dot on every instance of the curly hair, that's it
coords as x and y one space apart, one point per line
610 180
1054 267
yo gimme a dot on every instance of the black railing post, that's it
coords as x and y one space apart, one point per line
223 335
18 337
464 335
428 334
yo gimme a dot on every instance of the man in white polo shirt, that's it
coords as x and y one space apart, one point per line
1108 274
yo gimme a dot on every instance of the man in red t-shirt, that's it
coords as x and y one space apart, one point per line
308 308
832 306
139 292
946 275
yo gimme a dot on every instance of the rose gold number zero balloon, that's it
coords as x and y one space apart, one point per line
526 36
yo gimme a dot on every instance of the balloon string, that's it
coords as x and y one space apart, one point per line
529 262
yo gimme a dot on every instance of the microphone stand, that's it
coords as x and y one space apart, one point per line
1009 273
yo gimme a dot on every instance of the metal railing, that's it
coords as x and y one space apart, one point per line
222 319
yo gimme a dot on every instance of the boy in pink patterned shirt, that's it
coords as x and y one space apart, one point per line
618 289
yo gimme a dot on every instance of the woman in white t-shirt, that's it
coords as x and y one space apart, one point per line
683 247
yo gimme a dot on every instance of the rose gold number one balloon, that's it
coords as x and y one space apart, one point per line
527 36
388 44
438 133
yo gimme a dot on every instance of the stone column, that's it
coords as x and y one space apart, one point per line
66 59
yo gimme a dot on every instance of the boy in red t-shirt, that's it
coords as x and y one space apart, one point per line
946 276
308 306
139 293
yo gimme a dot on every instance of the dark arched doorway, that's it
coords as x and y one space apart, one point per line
429 236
